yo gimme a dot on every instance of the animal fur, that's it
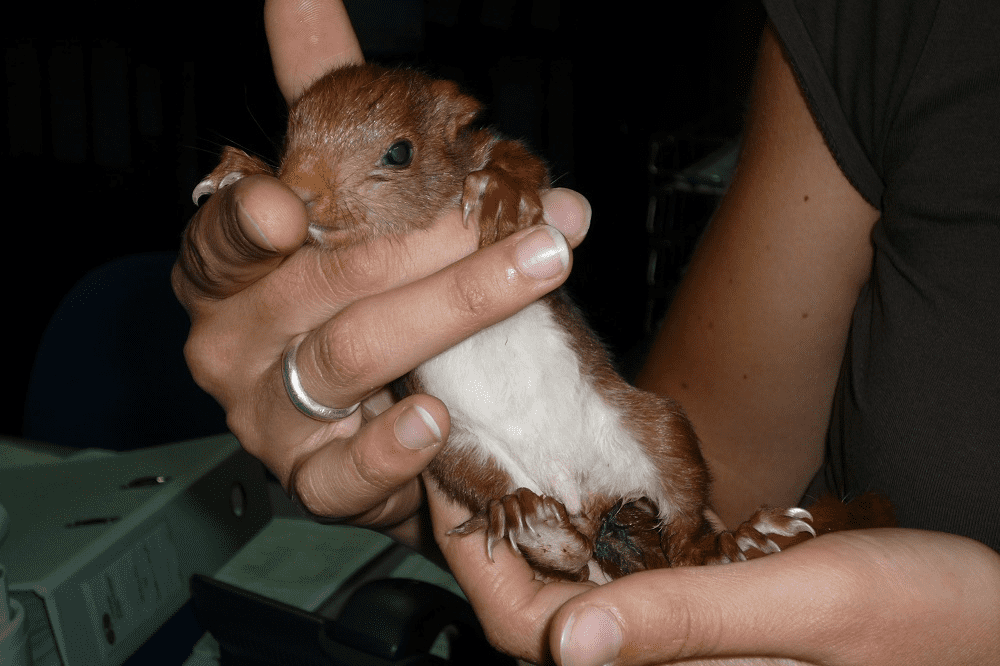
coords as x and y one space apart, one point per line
586 476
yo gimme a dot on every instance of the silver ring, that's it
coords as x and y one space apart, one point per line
302 401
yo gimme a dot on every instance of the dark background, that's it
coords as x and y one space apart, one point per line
116 110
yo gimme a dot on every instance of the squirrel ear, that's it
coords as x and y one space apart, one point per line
459 109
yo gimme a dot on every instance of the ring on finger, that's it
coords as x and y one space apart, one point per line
297 394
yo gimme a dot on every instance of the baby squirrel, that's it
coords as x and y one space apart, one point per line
586 476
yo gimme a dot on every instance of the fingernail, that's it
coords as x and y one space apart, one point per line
542 254
591 637
262 239
415 428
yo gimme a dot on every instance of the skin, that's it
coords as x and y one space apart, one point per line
370 314
753 342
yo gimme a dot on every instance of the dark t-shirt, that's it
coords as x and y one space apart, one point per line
907 95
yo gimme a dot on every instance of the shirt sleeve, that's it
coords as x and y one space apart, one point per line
854 60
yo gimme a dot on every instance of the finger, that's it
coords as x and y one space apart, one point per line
371 479
811 603
237 236
514 608
684 613
303 291
308 38
375 340
607 626
569 212
384 263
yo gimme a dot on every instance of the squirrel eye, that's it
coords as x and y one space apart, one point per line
400 154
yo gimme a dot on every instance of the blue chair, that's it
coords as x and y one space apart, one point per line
110 370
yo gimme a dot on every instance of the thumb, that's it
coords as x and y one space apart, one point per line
692 613
239 235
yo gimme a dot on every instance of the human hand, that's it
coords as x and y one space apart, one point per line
864 597
370 313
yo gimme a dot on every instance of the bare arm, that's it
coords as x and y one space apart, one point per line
753 343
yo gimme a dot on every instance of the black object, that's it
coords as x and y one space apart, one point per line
392 621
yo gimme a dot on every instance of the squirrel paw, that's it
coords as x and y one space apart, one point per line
755 532
233 166
501 203
537 527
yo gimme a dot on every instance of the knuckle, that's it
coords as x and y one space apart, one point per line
371 473
205 364
229 238
357 486
209 250
470 295
342 353
349 274
215 249
313 495
345 353
193 264
238 247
